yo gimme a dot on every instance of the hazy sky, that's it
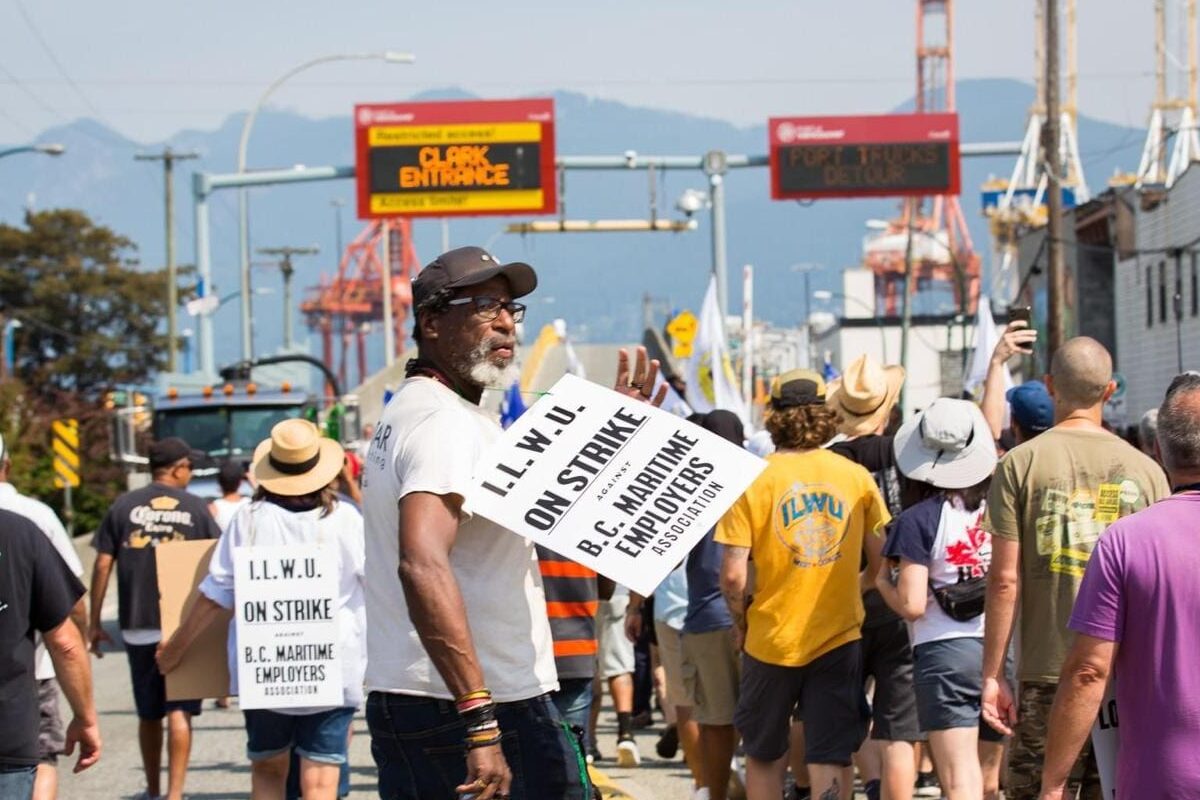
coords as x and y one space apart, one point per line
149 69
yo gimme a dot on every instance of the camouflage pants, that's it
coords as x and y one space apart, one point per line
1028 749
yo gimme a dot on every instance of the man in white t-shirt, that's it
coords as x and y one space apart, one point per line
51 736
460 658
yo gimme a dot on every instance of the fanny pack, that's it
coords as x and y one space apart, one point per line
961 601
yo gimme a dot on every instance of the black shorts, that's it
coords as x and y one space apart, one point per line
828 692
888 658
149 688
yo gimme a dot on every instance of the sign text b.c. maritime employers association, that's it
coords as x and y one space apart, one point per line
451 158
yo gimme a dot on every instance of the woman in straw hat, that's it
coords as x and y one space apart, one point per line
943 556
295 504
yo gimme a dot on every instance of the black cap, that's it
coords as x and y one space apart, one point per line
469 266
166 452
797 387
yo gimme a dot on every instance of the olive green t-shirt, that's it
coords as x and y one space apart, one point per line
1055 495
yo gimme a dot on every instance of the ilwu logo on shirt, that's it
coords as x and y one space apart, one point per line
810 520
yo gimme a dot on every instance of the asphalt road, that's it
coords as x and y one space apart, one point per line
219 768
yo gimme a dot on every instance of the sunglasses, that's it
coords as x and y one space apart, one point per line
488 308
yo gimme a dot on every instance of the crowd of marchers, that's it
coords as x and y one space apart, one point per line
956 589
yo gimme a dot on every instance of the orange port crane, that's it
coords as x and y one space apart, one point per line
351 301
931 232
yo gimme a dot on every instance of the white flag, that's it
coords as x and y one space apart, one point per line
574 365
986 340
711 383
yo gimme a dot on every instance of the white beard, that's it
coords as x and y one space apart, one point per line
484 373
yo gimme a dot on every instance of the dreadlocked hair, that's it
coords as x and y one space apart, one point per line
434 304
801 427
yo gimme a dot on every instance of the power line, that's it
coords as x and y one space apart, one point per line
37 34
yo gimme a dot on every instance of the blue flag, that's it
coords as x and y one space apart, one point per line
828 372
512 406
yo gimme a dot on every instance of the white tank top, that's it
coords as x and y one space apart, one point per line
226 509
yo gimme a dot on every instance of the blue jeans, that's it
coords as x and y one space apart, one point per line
574 702
417 743
16 783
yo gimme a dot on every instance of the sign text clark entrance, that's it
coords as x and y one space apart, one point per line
455 158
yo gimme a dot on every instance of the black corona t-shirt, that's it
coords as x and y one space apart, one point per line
135 525
37 592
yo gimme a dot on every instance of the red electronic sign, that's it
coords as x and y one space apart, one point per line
869 156
455 158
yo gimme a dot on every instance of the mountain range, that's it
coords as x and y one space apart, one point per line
595 281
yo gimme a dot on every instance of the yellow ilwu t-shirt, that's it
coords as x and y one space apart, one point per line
804 519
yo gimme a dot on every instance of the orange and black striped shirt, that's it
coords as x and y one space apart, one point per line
571 600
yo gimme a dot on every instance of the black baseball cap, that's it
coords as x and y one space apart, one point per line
166 452
469 266
797 387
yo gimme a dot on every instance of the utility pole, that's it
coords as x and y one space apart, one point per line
1053 156
337 204
910 212
168 157
287 270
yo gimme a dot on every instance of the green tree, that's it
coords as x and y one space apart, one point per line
88 321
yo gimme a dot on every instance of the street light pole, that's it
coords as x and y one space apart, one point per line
715 164
243 197
44 149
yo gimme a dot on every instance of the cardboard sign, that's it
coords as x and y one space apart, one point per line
288 653
613 483
204 670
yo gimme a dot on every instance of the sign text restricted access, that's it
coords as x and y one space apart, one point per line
610 482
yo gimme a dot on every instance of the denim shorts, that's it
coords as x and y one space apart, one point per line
574 702
149 686
948 678
16 783
319 737
417 743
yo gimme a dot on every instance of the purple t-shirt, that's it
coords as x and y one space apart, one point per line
1141 590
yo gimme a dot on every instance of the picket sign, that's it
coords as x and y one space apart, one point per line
610 482
288 653
1106 741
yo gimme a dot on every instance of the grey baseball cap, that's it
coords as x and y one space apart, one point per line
470 266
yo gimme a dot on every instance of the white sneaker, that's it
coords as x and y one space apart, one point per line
701 794
627 754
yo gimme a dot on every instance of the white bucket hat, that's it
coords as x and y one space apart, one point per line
296 460
948 445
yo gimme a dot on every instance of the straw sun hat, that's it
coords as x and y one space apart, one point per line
864 395
297 459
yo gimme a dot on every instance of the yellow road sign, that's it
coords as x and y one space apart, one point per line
683 327
65 444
